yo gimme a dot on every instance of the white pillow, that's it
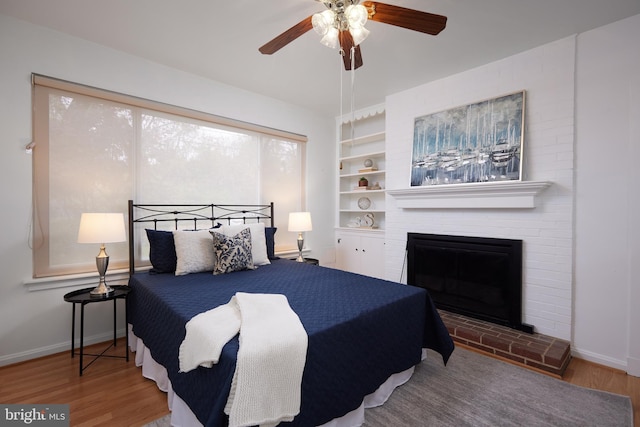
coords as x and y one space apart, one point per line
194 251
258 240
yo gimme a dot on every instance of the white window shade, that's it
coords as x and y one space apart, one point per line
96 150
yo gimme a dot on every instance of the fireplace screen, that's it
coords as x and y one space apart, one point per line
473 276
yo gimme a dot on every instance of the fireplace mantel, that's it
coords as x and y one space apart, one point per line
489 195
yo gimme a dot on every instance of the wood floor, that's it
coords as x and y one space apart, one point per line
113 392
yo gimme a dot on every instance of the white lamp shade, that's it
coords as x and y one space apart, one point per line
101 228
300 221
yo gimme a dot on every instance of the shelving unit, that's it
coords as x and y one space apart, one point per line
361 140
360 246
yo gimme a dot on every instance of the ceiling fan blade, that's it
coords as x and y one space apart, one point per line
287 37
410 19
346 42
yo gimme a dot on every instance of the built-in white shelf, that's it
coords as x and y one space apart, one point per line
363 139
361 149
352 175
363 156
487 195
363 192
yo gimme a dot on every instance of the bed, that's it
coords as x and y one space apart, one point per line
364 334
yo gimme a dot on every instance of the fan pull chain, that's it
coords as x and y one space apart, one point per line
341 91
353 79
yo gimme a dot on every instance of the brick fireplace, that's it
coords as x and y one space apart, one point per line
545 224
476 283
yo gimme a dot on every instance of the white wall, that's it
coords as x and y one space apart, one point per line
607 289
37 322
582 133
546 73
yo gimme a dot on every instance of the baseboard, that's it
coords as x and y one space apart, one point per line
599 359
633 366
10 359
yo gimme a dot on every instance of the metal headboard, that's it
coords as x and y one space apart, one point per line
194 216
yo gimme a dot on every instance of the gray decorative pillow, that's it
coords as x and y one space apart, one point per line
233 253
193 251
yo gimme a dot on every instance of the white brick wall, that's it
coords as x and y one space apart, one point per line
547 74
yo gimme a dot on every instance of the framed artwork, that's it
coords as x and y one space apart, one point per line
480 142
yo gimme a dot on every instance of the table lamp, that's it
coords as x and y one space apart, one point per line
300 222
101 228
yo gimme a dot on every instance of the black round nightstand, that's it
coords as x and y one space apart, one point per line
83 297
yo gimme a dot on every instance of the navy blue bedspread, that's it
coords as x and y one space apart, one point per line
361 330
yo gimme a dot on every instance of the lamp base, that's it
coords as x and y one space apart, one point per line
300 246
102 262
101 291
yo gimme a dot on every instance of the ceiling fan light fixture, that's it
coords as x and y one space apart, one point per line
322 22
330 39
358 34
348 15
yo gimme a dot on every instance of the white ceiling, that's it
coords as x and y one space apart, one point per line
220 40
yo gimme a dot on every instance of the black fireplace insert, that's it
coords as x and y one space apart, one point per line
478 277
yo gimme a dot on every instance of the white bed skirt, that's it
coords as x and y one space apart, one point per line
181 415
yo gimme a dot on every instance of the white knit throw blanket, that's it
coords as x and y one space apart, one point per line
266 386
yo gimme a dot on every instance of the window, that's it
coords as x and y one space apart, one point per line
97 149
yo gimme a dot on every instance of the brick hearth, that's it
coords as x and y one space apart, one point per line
540 352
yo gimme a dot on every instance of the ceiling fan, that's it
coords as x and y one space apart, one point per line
342 25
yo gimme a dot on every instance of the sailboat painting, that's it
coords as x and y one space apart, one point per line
480 142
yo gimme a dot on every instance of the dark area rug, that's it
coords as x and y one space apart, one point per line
476 390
